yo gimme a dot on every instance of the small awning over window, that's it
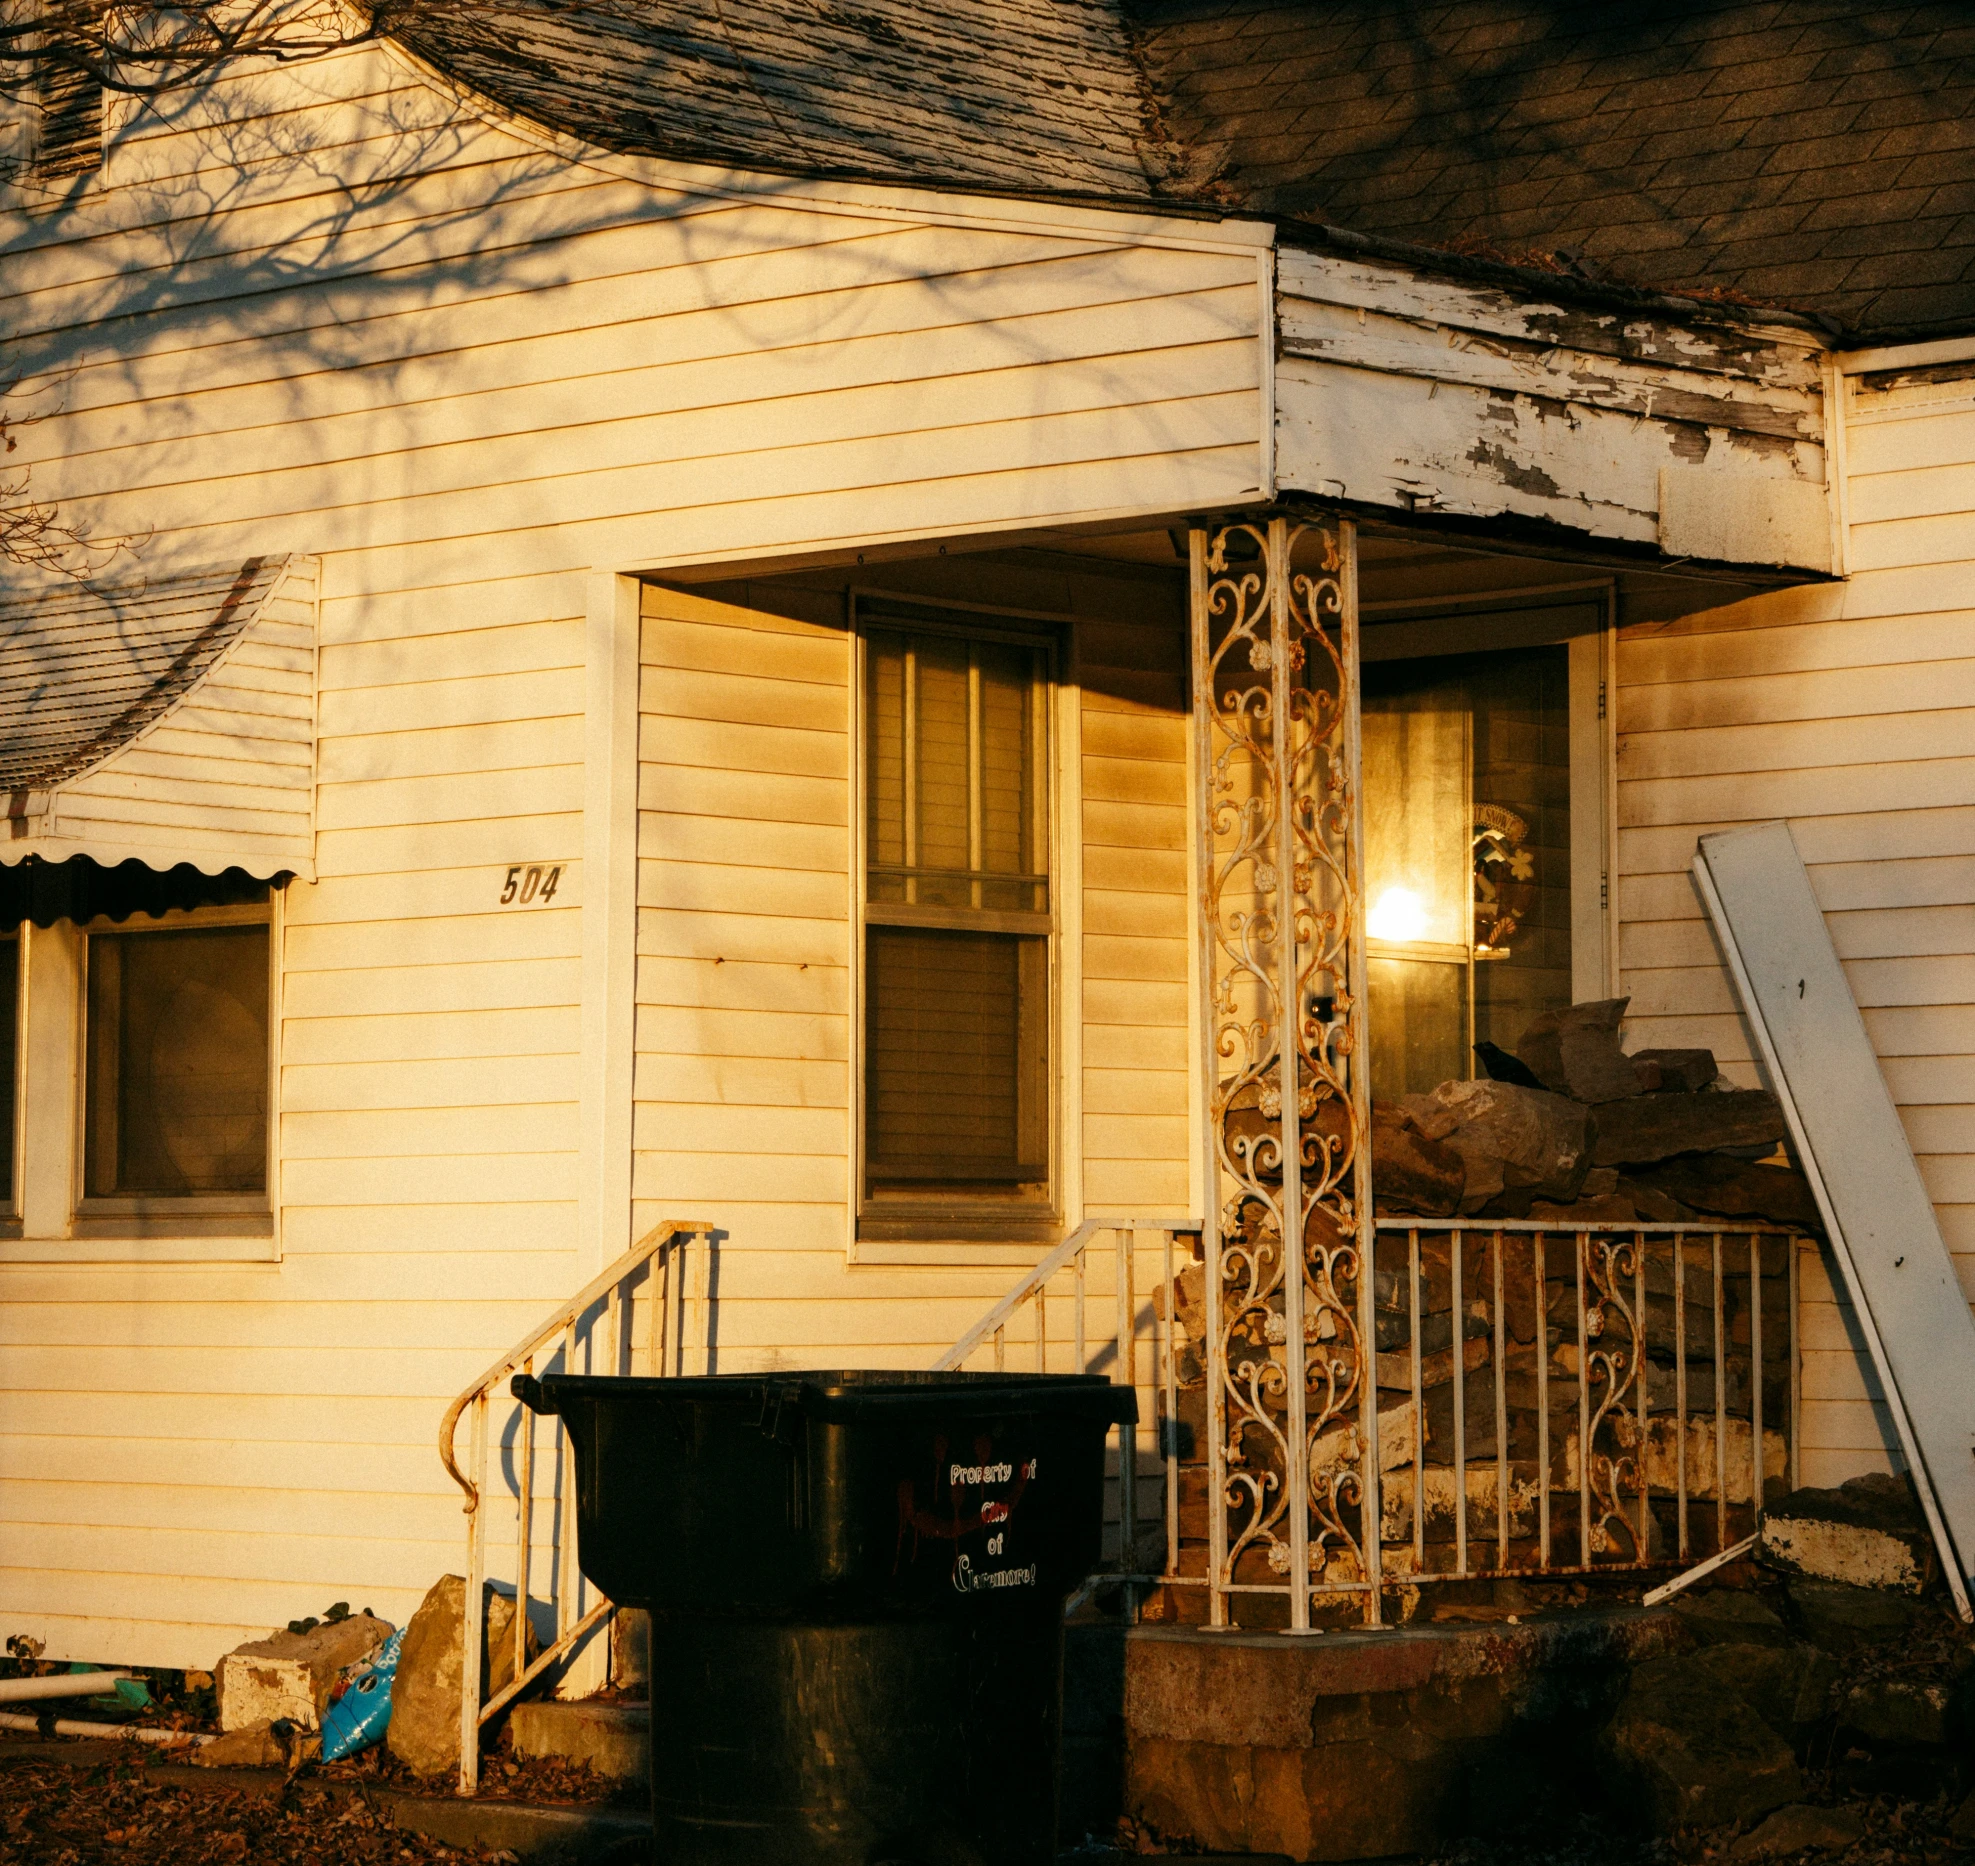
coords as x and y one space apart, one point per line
163 722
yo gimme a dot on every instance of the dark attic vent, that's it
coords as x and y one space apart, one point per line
71 120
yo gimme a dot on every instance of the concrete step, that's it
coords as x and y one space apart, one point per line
613 1738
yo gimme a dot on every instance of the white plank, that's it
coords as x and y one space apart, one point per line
1878 1215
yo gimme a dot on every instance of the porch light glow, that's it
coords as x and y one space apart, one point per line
1398 915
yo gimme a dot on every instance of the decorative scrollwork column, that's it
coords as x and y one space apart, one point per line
1292 1413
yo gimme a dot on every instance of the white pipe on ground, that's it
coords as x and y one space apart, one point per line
61 1685
127 1732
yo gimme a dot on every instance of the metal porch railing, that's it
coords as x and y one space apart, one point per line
1133 1345
601 1318
1538 1401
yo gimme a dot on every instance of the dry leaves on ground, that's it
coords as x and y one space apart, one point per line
52 1814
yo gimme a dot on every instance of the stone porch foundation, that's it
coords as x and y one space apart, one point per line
1360 1745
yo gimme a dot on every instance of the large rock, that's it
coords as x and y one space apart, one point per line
1800 1828
1656 1127
1576 1052
290 1674
1678 1070
425 1694
1508 1135
1696 1754
1891 1712
1843 1620
253 1746
1732 1188
1788 1686
1730 1616
1869 1532
1411 1173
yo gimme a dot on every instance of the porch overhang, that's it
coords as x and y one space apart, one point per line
1701 439
169 721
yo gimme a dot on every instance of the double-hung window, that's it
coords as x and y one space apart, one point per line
956 1124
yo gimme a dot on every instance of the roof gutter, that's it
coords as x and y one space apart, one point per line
1533 281
1901 356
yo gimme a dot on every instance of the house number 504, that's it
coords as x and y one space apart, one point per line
530 883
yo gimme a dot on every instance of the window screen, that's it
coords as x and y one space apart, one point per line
956 957
177 1063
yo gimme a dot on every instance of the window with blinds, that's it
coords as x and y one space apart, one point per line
956 919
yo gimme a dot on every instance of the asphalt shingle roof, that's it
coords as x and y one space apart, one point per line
1807 153
1020 96
1814 154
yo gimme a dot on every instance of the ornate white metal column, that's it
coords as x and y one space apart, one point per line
1292 1404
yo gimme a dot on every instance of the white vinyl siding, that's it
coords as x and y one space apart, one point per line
461 375
1849 712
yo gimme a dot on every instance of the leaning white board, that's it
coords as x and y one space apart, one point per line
1884 1236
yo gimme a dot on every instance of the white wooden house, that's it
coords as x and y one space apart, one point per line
620 634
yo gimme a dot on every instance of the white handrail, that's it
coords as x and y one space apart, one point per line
998 1316
537 1338
609 1288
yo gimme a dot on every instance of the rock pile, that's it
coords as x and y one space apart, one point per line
1572 1128
1789 1674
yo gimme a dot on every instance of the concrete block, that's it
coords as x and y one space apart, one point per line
1869 1532
1360 1745
614 1739
290 1674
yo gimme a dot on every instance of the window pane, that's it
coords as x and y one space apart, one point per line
10 1004
955 1059
1522 840
884 766
942 774
177 1067
1467 812
953 729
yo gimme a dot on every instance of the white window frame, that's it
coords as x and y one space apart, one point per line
947 1232
53 1219
10 1206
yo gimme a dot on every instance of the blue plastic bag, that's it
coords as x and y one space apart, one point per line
359 1717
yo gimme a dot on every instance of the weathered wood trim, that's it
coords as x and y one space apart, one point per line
1416 394
1774 356
1536 366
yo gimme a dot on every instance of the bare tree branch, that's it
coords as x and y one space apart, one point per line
145 49
35 535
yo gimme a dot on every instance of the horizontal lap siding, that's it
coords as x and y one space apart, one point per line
745 1044
1849 712
459 382
226 774
1136 1055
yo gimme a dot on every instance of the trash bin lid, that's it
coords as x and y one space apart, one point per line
853 1392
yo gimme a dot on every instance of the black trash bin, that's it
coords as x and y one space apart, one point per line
856 1583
